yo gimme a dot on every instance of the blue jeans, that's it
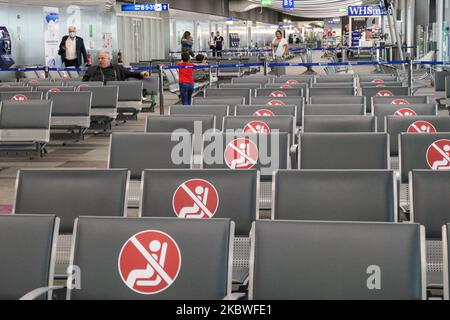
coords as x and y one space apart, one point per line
186 91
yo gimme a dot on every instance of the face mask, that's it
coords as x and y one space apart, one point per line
72 34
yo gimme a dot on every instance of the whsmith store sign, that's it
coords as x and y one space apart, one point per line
367 11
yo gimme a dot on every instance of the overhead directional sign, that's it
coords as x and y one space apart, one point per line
288 4
146 7
266 2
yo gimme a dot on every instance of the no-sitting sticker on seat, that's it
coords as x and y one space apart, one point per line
5 86
405 112
19 97
438 155
276 103
54 90
241 153
278 94
421 127
195 198
292 82
256 127
149 262
377 81
400 101
384 93
263 113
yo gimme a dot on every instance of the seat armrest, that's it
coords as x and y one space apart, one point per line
293 152
235 296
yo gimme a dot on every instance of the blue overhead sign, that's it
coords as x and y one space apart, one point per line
366 11
288 4
146 7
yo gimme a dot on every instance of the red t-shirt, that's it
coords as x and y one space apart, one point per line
186 75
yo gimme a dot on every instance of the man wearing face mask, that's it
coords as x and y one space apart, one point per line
72 49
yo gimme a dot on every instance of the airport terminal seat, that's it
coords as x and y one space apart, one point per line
334 110
224 101
371 93
25 125
334 123
20 96
334 91
339 100
103 106
217 111
98 192
16 89
299 102
130 99
360 251
225 93
27 251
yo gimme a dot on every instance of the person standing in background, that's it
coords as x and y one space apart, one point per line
212 44
186 43
186 79
220 42
280 49
72 49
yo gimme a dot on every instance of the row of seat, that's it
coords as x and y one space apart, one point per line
157 258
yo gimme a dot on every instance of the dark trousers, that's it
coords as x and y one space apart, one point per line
71 63
213 49
219 51
186 92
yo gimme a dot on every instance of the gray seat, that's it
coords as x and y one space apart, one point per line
252 79
370 93
337 261
130 98
215 110
16 89
78 84
189 123
54 88
380 85
190 243
383 110
20 96
231 71
222 93
27 251
231 194
414 149
331 92
334 110
291 101
279 93
251 86
25 125
290 79
335 78
396 125
303 85
71 110
11 84
140 151
338 100
103 106
401 99
335 195
230 101
376 78
344 151
250 123
333 85
333 123
99 192
429 207
266 111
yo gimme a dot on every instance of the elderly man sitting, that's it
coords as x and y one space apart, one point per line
107 71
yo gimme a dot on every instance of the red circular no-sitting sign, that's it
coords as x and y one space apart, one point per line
380 86
263 113
5 86
241 153
256 127
286 86
384 93
278 94
195 198
149 262
400 101
438 155
377 81
276 103
54 90
421 127
19 97
292 82
405 112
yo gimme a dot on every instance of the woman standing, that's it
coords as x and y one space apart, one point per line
186 43
280 49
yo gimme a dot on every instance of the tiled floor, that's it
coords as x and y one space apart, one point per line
93 152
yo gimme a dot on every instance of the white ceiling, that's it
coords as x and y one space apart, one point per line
314 8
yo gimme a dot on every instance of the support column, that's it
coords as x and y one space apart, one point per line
410 26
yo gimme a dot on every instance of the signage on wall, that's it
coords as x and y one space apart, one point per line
146 7
367 11
288 4
266 2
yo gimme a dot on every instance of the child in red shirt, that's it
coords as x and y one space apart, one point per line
186 79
